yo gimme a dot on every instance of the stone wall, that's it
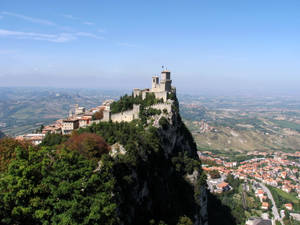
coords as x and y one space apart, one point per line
162 106
106 115
126 116
161 94
129 115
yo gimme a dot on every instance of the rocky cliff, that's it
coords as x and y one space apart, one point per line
162 180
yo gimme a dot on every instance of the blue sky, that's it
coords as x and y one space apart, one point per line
210 46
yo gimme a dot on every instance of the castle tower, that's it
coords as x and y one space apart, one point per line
166 82
155 83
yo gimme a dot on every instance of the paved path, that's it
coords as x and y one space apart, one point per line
274 208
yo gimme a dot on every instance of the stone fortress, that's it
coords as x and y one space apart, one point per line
160 89
80 117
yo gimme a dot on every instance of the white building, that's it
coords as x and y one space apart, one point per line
35 139
69 125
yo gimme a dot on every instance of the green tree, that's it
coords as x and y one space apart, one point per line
53 139
7 151
214 174
46 187
184 220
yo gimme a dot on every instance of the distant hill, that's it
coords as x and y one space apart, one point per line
243 123
23 110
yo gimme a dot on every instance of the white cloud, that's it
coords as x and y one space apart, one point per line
91 35
30 19
101 30
125 44
59 38
71 17
62 37
88 23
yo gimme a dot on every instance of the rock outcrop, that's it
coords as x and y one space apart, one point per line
164 184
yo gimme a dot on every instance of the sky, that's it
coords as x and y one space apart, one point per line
242 46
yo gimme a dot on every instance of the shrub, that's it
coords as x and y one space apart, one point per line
7 151
98 115
53 139
164 123
89 145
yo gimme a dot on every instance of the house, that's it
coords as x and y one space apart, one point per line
223 186
265 205
288 206
52 129
259 193
85 121
286 188
35 139
79 110
68 125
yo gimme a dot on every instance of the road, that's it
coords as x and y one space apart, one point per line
274 208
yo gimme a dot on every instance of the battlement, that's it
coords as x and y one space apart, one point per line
160 88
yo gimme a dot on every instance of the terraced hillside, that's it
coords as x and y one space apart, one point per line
245 123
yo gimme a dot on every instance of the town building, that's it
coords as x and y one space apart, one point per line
221 187
265 205
35 139
288 206
52 129
79 110
85 121
68 125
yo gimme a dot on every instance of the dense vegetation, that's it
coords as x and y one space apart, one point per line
46 187
126 102
7 151
241 204
281 198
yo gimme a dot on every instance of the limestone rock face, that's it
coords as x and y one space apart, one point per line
158 187
117 149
